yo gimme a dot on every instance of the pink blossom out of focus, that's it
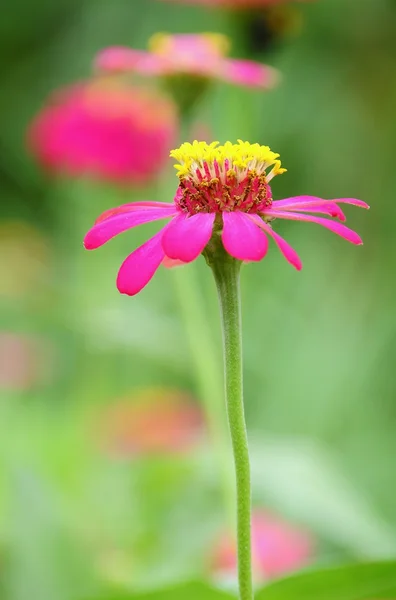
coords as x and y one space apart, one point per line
277 548
200 55
151 422
22 362
105 129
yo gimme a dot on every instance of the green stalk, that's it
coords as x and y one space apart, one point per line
226 272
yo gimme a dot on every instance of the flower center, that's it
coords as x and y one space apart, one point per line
252 194
217 178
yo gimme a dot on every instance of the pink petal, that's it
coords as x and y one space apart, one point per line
314 200
149 204
353 201
130 206
170 263
331 209
117 58
288 252
335 227
106 230
249 73
120 59
139 267
324 207
186 237
241 238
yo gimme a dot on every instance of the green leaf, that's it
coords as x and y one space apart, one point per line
302 480
351 582
185 591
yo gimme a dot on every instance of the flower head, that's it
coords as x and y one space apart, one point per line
223 191
105 129
277 548
218 179
200 55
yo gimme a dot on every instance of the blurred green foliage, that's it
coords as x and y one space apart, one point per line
319 345
343 583
192 591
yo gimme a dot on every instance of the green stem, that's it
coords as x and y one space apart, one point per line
226 273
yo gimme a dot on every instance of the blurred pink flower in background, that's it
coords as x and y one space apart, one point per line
277 548
201 55
105 129
152 421
24 361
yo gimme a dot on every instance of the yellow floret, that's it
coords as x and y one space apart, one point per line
167 44
242 155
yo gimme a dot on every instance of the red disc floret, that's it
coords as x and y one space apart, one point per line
224 193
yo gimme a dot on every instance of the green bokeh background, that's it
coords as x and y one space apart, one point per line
319 345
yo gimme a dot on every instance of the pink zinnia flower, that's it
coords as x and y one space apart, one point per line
277 548
201 55
223 190
153 421
105 129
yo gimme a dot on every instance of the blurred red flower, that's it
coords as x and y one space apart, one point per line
153 421
105 129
